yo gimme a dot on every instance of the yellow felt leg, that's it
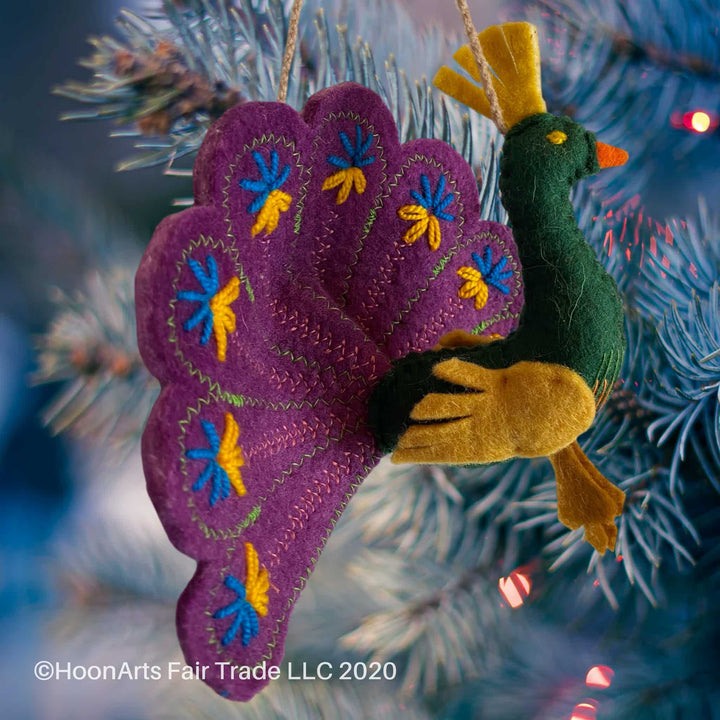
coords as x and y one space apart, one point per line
530 409
586 498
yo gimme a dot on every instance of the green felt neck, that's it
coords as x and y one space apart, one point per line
573 313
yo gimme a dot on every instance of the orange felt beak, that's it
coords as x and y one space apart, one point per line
610 156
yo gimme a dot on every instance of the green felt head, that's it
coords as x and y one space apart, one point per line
546 154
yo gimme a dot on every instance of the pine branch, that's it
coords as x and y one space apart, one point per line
681 261
685 396
92 347
174 72
667 670
613 67
416 511
645 35
438 636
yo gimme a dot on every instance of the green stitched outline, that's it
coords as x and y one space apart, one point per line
217 393
264 139
237 400
252 516
207 242
505 313
298 586
463 244
209 532
372 214
387 194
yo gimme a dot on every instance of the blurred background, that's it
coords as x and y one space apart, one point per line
490 608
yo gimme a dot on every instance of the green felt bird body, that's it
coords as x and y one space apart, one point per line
533 393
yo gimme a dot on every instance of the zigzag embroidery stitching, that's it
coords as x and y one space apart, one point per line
223 460
222 535
431 162
269 202
505 313
431 207
349 171
299 583
302 172
219 304
213 308
478 281
380 150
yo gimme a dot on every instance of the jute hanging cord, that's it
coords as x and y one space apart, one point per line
486 73
289 50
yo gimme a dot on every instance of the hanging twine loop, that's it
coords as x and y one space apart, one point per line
289 50
486 73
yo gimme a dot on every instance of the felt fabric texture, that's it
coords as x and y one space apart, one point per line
610 156
260 434
586 498
573 314
530 409
513 52
462 338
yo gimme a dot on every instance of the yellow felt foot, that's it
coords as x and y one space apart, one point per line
530 409
586 498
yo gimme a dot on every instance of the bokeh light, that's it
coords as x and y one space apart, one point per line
515 588
700 121
697 121
599 676
585 710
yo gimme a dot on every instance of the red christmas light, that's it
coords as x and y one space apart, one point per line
599 676
515 588
585 710
697 121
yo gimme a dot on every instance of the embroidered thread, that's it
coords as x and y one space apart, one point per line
214 305
477 281
557 137
425 214
251 600
270 200
350 173
224 460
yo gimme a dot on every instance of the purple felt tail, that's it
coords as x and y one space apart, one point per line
318 250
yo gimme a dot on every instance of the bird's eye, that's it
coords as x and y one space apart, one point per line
557 137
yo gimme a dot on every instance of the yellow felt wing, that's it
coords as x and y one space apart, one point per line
513 52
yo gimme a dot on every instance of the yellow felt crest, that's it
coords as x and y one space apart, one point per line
513 52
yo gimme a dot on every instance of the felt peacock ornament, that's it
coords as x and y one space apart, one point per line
291 317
